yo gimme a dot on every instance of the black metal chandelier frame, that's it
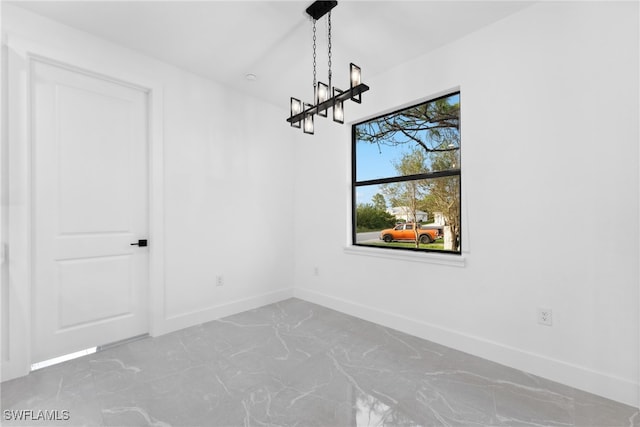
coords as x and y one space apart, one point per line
303 117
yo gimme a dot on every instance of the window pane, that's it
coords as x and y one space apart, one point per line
419 139
387 218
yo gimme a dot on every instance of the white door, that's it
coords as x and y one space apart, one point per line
90 285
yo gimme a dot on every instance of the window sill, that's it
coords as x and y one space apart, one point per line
423 257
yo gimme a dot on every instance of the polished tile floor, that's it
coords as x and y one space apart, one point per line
298 364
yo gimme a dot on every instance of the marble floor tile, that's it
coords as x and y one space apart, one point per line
297 364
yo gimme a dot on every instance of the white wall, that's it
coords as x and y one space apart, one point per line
227 185
228 198
549 101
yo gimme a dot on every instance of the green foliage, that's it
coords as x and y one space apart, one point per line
379 202
411 163
368 217
408 193
438 245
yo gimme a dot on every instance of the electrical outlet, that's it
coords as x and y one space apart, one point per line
219 281
545 316
316 271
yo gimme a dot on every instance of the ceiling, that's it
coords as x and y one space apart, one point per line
226 40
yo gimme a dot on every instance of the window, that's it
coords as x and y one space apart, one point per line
406 172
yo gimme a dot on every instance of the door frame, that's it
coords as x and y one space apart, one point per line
16 304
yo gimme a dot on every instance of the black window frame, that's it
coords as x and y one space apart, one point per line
387 180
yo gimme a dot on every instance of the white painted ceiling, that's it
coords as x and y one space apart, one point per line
226 40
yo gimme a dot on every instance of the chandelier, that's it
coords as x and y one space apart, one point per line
303 117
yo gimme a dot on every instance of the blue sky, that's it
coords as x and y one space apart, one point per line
374 162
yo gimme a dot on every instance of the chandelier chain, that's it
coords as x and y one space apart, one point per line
329 47
314 54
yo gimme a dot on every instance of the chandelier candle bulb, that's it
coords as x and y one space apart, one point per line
355 73
338 107
322 94
296 108
308 121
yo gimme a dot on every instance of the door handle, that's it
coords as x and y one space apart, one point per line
141 243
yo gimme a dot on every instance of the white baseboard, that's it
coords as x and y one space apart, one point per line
608 386
185 320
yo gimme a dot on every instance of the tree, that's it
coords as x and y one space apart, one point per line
379 202
409 193
444 196
369 217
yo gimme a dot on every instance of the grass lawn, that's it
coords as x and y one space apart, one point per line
437 245
367 230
